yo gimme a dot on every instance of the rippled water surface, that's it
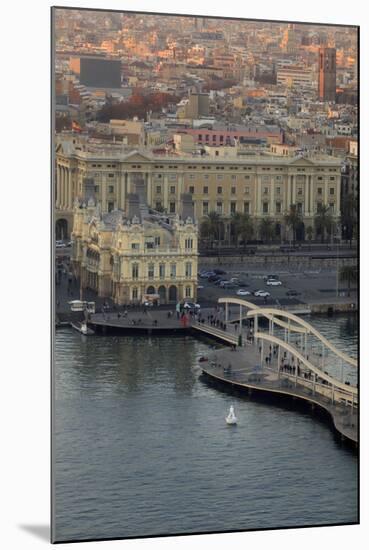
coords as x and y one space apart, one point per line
142 448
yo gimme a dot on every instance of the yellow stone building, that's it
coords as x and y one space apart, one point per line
261 186
126 256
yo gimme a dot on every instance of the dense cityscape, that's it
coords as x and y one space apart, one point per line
205 187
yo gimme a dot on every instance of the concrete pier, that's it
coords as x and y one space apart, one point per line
241 369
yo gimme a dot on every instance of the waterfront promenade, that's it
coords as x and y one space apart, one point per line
142 319
288 359
240 369
280 355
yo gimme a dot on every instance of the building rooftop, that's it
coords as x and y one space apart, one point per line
119 153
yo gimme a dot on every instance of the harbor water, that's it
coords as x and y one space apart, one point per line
141 446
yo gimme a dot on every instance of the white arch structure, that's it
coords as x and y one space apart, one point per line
297 325
307 328
250 305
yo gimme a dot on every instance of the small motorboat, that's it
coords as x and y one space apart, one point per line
231 418
83 328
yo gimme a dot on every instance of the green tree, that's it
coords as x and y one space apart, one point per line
293 220
348 274
323 221
243 228
211 227
267 229
348 217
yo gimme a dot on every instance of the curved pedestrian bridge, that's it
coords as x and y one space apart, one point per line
276 351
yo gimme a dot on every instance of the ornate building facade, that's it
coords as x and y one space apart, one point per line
125 256
263 186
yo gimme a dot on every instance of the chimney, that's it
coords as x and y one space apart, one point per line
186 207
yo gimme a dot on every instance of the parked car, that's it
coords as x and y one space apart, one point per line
191 305
268 277
219 282
214 278
205 274
243 292
219 271
273 282
227 284
292 293
243 284
261 293
60 244
234 280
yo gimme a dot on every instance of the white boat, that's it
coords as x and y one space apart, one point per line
83 328
231 418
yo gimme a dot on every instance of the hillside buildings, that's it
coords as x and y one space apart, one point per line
226 111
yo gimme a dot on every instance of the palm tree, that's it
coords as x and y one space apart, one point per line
243 228
309 234
235 226
211 227
266 229
348 274
293 220
323 221
348 217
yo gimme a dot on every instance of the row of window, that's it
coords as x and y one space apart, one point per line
173 177
191 190
105 166
194 167
234 207
161 271
156 242
205 190
247 207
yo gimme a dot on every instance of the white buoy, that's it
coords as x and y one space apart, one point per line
231 418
